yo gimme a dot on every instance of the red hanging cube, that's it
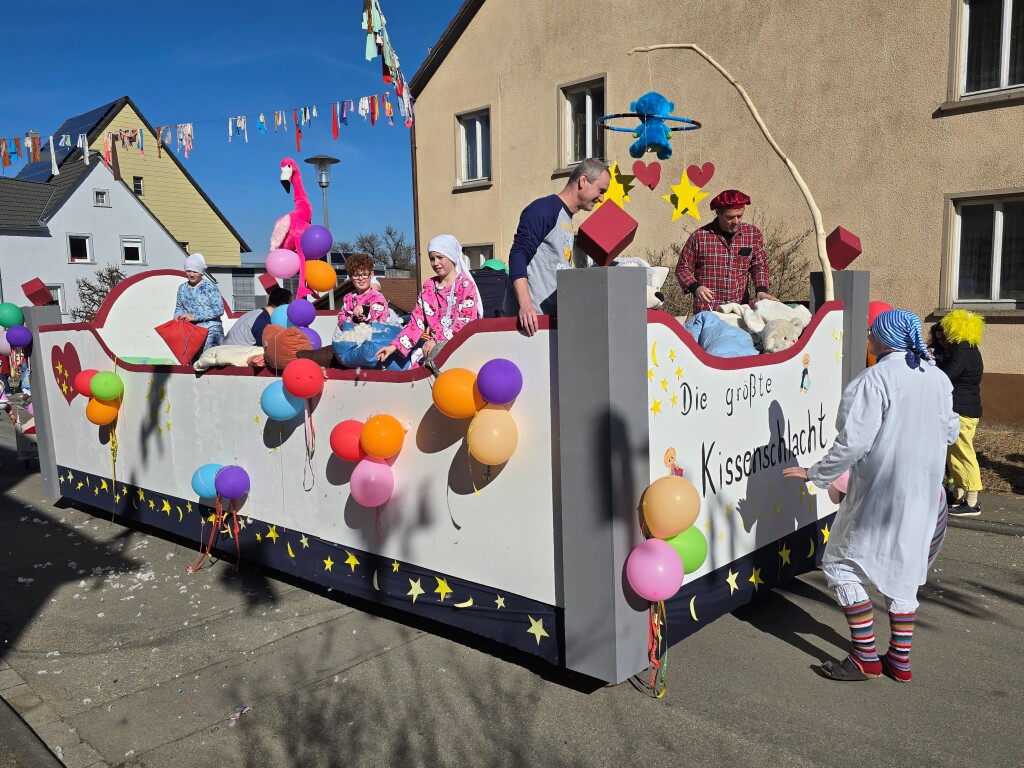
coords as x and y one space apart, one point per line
37 292
607 233
842 247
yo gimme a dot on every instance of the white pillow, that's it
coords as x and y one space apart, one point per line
226 354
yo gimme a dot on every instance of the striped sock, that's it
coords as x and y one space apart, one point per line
862 631
898 657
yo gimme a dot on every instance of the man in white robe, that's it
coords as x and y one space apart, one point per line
894 424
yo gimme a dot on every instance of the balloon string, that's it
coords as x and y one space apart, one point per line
218 520
657 651
469 456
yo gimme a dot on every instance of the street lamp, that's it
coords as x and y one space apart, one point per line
323 165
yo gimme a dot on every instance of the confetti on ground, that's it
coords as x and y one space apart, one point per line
238 712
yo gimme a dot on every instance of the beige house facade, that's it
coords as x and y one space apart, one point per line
905 120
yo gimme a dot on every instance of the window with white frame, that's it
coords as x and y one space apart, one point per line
992 37
80 249
475 133
989 263
137 186
101 198
57 294
243 294
133 250
582 136
476 255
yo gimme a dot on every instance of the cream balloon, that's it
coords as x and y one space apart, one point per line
671 505
493 436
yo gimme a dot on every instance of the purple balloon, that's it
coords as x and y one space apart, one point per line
654 570
301 313
316 242
232 482
19 336
500 381
313 336
30 409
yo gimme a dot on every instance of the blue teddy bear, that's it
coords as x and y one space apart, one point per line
652 135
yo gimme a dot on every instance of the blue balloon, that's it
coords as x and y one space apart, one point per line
203 480
279 404
280 317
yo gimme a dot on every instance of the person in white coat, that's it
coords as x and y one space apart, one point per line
894 424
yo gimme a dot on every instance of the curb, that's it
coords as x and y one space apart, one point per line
986 526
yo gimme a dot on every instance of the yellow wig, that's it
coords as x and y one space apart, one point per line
963 325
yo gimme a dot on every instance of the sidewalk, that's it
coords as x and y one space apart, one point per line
1000 513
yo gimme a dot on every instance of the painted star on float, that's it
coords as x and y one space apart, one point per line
79 486
684 198
729 509
778 508
117 498
500 602
650 374
537 628
784 554
142 495
103 485
442 588
95 491
664 384
679 372
673 400
415 589
656 407
618 188
152 504
304 541
166 507
188 506
71 475
671 354
272 533
328 563
351 561
755 578
731 581
824 534
394 566
707 525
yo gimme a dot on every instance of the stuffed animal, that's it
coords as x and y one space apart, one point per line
778 335
652 135
656 277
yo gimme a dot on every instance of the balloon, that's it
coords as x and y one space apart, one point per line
203 480
320 276
382 436
30 409
837 490
283 263
345 440
301 313
278 404
654 570
280 317
11 315
303 378
496 264
83 382
500 381
19 336
106 386
316 242
313 336
492 436
372 482
875 308
101 412
692 548
232 482
671 504
455 394
5 345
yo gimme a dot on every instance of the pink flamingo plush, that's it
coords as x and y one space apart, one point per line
289 228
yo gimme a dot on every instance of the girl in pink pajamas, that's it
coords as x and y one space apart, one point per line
366 303
446 304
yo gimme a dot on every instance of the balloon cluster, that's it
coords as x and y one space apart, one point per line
104 390
283 400
656 566
370 445
484 397
316 243
15 334
213 480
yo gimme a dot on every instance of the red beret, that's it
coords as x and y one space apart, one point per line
731 198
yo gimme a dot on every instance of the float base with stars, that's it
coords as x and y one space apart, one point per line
531 553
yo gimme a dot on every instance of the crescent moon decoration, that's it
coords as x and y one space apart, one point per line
467 604
654 353
181 515
811 553
693 611
375 581
290 553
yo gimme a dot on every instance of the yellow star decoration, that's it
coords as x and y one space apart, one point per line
442 588
272 533
824 533
351 561
731 581
256 419
784 554
103 486
71 475
618 188
664 384
212 518
679 372
721 535
117 498
394 566
839 357
810 488
61 478
152 504
778 508
415 589
656 407
500 602
755 578
60 368
537 628
650 374
304 541
707 525
142 495
159 429
124 490
684 198
166 507
328 563
729 509
671 354
95 491
188 506
259 537
167 426
673 400
79 486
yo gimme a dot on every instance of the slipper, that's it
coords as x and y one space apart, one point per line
845 671
891 672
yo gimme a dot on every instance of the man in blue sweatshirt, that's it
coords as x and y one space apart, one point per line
543 243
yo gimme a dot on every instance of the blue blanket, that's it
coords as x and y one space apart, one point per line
718 338
353 354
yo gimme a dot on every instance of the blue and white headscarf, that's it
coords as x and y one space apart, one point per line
900 329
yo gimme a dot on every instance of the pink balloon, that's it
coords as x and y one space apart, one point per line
372 482
28 408
282 263
654 570
5 345
837 489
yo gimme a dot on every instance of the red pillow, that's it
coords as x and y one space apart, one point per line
184 339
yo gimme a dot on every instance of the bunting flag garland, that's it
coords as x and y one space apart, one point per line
298 131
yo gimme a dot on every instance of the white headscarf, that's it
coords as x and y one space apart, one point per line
196 262
448 246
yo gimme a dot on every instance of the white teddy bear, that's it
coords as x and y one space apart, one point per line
656 277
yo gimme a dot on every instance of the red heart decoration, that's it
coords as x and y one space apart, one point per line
700 176
66 366
647 174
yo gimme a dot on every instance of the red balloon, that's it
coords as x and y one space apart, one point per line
345 440
83 382
875 308
303 378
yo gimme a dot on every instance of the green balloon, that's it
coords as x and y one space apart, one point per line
11 315
690 544
106 386
495 264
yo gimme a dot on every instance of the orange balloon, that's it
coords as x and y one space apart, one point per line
382 436
671 505
320 276
101 412
871 358
493 436
455 394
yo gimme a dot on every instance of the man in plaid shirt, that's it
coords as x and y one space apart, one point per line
719 258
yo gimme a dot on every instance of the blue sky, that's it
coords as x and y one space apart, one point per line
202 62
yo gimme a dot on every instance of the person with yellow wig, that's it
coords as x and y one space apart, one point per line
962 363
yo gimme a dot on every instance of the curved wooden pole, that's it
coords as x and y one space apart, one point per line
819 229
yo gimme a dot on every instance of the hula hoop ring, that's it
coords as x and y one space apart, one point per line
689 123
